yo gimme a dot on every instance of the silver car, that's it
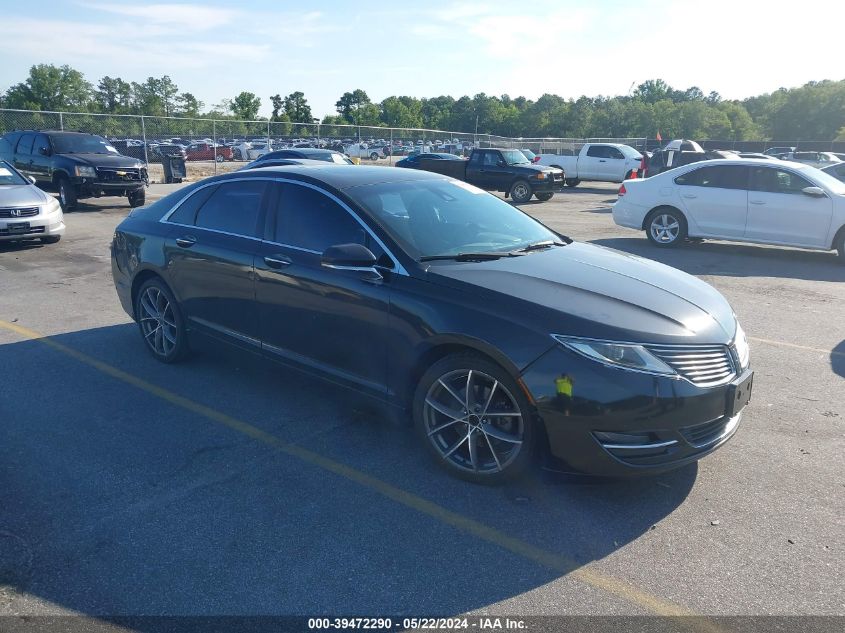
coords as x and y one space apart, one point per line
26 212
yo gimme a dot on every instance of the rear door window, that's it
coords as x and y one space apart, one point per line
233 208
25 144
720 177
187 211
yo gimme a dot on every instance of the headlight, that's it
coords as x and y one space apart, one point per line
51 207
85 171
743 352
541 176
625 355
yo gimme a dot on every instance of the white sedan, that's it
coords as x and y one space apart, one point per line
743 200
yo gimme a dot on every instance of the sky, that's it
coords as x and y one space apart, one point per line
216 49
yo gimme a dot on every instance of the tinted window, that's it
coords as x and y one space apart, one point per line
612 152
187 211
25 144
41 142
233 207
491 159
777 180
309 219
722 177
597 151
475 158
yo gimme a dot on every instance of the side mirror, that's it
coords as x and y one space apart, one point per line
349 257
31 179
815 192
44 151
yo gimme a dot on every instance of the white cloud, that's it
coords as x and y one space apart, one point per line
196 17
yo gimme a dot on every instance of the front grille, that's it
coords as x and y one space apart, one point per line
32 229
107 174
21 213
702 365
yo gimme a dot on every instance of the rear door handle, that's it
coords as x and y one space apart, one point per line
186 242
756 202
601 160
277 261
690 195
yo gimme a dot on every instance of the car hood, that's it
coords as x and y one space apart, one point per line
597 292
105 160
21 196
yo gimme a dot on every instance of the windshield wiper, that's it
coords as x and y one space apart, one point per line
467 257
538 246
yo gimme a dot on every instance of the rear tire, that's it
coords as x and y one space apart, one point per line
666 227
545 196
67 194
374 156
521 192
161 322
446 423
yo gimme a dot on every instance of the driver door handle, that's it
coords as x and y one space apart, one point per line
277 261
756 202
690 195
186 241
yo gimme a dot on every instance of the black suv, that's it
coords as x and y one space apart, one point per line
75 164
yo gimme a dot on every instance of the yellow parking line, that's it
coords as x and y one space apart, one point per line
795 346
544 558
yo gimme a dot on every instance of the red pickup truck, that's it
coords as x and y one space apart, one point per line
206 151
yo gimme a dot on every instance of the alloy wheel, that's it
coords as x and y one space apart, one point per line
665 228
158 323
473 421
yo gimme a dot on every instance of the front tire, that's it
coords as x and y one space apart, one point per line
520 192
474 419
666 227
137 198
840 247
161 322
374 156
67 194
572 182
545 196
219 158
51 239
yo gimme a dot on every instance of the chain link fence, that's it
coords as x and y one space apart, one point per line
379 145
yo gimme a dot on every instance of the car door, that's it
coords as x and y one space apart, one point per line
209 257
316 318
715 199
613 169
23 154
40 158
591 165
779 211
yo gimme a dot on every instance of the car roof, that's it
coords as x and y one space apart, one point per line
745 162
339 176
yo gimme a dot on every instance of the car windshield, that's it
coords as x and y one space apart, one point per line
9 176
340 159
515 157
81 144
448 217
528 154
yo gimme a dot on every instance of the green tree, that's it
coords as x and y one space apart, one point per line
245 106
187 105
113 95
297 109
349 105
278 104
50 87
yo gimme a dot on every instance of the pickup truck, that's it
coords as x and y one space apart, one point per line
505 170
362 150
75 164
206 151
608 162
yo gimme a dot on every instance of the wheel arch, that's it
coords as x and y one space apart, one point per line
837 236
140 278
663 206
58 174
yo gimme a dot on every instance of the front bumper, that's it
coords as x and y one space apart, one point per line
41 225
613 422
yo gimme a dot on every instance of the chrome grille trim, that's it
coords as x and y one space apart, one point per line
702 365
27 212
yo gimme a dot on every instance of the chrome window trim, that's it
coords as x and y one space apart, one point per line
398 268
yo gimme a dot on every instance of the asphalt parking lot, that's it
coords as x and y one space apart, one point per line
225 486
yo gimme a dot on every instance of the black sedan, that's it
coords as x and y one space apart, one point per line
415 160
499 337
